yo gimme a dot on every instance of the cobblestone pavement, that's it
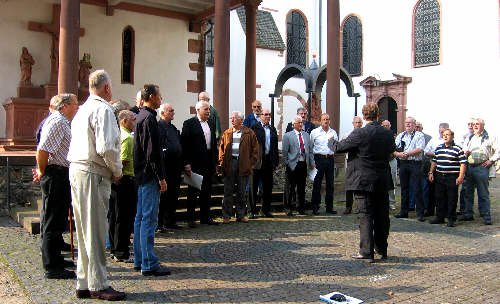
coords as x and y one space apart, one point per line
292 260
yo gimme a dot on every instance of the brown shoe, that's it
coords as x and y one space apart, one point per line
347 210
82 293
226 221
243 219
108 294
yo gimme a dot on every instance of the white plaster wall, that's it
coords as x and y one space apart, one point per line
14 34
161 52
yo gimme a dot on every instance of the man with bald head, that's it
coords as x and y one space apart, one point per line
214 118
357 123
253 117
170 143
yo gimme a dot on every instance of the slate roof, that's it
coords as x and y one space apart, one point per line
268 35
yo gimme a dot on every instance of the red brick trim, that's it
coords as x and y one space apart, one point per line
195 46
193 86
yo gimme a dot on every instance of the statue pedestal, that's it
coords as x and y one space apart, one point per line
31 92
50 90
23 115
83 94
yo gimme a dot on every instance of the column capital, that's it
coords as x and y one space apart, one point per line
251 4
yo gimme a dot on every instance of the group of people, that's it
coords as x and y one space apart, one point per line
110 164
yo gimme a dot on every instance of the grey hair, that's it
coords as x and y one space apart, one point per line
481 121
444 125
301 109
98 79
412 118
120 105
387 121
200 104
164 106
238 113
64 98
125 114
296 118
203 94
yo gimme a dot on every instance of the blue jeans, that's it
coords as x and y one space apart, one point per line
477 177
146 220
425 194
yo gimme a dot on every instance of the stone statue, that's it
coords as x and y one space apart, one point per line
26 61
84 72
54 58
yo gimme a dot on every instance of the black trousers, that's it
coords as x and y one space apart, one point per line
56 198
446 195
169 199
325 167
204 197
410 176
297 179
349 198
122 211
374 223
264 175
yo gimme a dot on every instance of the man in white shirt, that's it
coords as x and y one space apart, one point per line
323 158
94 154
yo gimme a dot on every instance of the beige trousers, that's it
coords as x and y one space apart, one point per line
90 198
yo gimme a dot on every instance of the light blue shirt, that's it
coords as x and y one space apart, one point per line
411 143
267 147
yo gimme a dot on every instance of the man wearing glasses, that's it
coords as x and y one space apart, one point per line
482 151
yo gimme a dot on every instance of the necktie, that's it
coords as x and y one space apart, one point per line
302 150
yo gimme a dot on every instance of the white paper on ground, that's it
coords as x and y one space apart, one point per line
311 174
350 300
194 180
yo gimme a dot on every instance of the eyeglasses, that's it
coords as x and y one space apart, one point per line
266 114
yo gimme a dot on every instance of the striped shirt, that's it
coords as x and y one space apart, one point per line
55 139
236 142
449 159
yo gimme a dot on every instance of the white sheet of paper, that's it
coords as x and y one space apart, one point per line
312 174
194 180
350 300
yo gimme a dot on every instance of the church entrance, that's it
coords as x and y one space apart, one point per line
388 111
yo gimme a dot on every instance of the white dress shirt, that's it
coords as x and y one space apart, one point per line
319 140
206 132
302 156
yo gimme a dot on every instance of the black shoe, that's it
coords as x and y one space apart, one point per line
157 272
82 293
290 213
302 212
209 222
137 268
487 221
331 211
191 224
358 256
173 226
253 216
401 215
411 209
421 219
436 221
465 218
451 223
60 274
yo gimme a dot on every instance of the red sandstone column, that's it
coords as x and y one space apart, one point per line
221 61
250 59
333 61
69 39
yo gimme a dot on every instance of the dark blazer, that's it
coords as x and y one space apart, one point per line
309 126
370 148
194 146
170 143
258 129
250 120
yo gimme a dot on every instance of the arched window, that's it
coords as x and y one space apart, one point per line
296 38
209 44
128 45
426 33
352 45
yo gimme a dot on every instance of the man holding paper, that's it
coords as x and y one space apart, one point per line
200 152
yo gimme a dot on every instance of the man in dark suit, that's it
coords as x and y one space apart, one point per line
268 141
200 152
253 117
170 142
306 126
369 176
297 157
